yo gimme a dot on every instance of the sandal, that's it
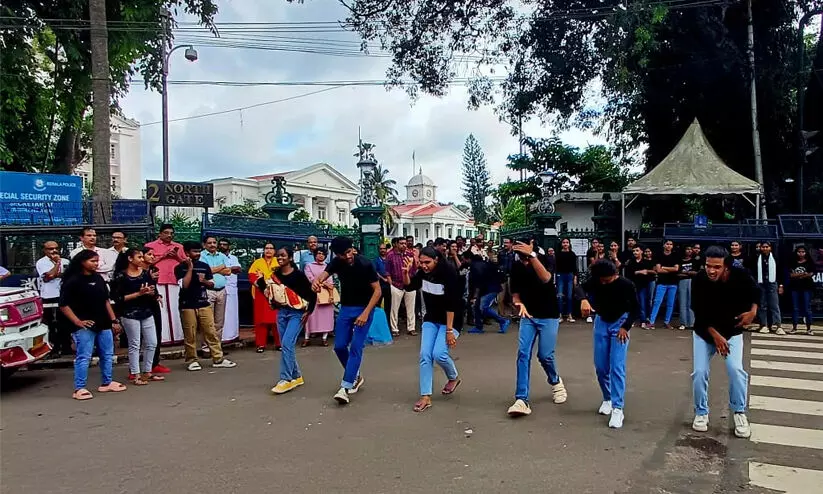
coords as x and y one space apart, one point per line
304 344
422 405
112 387
153 378
82 394
325 342
450 387
139 381
412 333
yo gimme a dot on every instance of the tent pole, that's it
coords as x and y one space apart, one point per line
622 220
757 208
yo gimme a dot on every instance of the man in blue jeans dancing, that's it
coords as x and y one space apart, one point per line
724 302
359 294
535 297
484 287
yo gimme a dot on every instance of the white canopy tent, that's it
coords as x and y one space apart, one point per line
691 168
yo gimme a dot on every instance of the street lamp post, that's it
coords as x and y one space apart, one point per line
191 56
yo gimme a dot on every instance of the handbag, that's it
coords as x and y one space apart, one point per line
283 296
328 296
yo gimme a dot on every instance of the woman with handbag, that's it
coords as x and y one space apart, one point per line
290 292
265 318
321 321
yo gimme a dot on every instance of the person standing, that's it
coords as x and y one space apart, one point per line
640 271
770 290
667 268
167 255
106 259
50 269
307 256
195 311
614 256
321 320
535 297
297 303
383 275
360 294
505 261
801 285
628 254
724 302
648 256
395 261
84 301
615 301
118 243
133 290
566 266
484 287
440 286
684 288
265 317
738 258
219 264
231 320
157 311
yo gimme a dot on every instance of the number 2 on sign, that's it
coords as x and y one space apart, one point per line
153 193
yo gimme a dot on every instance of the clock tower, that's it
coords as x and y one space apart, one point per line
421 189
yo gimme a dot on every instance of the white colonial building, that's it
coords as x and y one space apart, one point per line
126 167
320 189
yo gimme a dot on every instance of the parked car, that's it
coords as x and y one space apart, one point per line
23 336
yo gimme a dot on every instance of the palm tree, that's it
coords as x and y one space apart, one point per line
385 189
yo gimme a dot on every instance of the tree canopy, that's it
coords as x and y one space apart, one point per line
476 179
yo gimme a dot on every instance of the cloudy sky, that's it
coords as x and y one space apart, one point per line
317 128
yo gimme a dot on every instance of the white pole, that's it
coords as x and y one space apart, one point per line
622 220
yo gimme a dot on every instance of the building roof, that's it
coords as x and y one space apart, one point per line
420 179
424 209
270 176
693 168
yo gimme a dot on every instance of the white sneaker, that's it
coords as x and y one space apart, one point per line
342 396
224 364
589 320
605 408
357 383
559 393
682 327
194 366
519 409
616 421
764 329
779 331
741 426
570 319
701 423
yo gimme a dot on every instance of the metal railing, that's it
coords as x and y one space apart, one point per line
73 213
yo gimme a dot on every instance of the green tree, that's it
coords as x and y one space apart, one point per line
249 207
301 215
476 179
386 190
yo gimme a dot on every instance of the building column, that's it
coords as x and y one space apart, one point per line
432 235
308 205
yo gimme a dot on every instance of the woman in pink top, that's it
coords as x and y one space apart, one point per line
321 321
168 254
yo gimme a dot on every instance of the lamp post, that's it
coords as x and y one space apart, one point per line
546 218
191 56
368 195
369 211
545 206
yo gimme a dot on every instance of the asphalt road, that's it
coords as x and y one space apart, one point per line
221 431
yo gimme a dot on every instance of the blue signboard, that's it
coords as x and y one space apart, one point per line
40 199
701 221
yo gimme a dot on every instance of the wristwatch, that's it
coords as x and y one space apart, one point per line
533 255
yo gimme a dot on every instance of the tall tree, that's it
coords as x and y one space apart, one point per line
100 100
476 179
386 190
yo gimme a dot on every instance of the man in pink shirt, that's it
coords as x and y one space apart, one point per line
168 254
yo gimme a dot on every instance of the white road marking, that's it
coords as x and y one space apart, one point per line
786 405
788 336
787 383
790 480
787 353
787 436
791 344
787 366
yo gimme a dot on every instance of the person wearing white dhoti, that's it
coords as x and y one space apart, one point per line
231 323
168 254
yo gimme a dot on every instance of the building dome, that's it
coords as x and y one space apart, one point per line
421 179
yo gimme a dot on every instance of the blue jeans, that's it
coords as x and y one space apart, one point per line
738 378
565 289
769 310
484 307
345 334
802 301
288 325
652 292
610 360
85 339
669 292
544 333
140 332
643 301
684 297
433 348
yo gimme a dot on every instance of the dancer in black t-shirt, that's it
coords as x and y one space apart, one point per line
801 284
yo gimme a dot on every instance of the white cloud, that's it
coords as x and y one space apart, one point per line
322 127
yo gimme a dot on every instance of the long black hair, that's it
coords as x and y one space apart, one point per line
123 261
76 264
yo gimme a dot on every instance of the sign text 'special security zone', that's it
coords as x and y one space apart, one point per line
191 194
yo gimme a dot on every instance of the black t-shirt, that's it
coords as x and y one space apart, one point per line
355 280
136 308
667 261
195 296
801 284
566 262
686 265
86 296
539 298
698 263
614 299
739 261
640 280
717 304
442 291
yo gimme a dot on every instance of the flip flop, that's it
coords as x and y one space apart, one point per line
156 378
82 395
422 406
112 387
138 381
449 390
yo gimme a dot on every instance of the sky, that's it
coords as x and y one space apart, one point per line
322 127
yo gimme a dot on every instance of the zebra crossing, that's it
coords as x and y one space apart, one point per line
786 412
